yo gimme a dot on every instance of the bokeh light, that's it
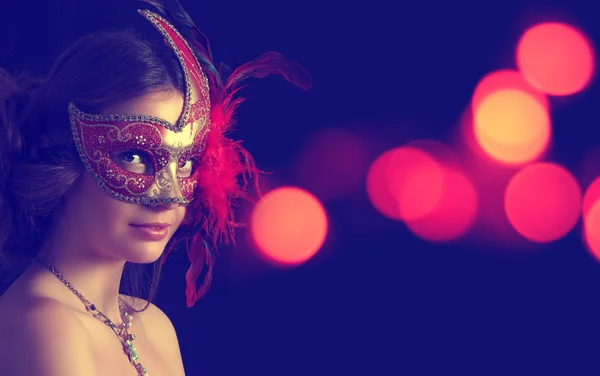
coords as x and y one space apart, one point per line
512 127
453 215
288 225
592 194
555 58
543 202
405 183
591 229
378 189
504 79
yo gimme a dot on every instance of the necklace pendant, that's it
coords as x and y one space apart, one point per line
133 357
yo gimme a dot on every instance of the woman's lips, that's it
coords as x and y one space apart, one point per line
152 231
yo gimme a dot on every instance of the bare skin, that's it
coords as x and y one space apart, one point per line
91 241
156 342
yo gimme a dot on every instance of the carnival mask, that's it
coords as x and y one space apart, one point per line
169 148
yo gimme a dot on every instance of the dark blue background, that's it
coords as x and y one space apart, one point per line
377 301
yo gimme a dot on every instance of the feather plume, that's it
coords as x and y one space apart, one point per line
225 165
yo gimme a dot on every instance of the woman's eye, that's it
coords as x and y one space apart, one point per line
131 157
134 161
186 165
186 168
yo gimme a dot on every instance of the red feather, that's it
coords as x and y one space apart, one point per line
226 165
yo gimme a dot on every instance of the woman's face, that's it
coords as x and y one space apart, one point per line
120 230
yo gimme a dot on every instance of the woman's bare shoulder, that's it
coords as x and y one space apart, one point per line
49 337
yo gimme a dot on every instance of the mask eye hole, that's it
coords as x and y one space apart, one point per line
133 160
187 168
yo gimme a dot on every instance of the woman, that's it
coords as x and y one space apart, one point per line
119 155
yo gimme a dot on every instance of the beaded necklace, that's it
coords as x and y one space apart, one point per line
121 330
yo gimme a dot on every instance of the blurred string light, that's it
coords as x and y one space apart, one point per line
511 126
421 185
555 58
591 218
434 192
288 226
591 229
509 123
456 210
405 183
454 213
508 120
504 79
543 202
592 194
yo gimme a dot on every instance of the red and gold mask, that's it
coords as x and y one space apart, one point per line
169 147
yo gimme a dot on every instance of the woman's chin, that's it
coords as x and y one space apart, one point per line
144 254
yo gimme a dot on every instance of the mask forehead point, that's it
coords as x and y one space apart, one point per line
196 106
